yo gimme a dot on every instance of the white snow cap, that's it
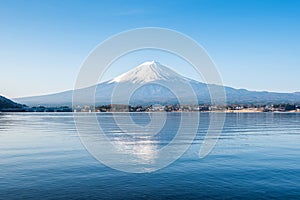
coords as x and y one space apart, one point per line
148 72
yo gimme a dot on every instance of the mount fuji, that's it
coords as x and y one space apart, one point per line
149 72
149 78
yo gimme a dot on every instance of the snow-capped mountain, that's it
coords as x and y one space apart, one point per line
149 78
148 72
152 80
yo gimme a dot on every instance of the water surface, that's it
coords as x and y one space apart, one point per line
257 156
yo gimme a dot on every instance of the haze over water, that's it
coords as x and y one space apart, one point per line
257 156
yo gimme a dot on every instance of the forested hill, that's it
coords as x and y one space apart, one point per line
9 105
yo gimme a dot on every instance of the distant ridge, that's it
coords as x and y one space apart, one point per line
152 75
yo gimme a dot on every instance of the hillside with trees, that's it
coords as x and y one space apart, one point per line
7 105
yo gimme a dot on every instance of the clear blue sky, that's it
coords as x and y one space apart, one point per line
255 44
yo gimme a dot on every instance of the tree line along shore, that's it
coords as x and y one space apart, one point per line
283 107
190 108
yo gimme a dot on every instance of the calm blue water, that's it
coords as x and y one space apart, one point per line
257 156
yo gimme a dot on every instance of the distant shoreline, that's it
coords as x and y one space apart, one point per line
113 108
216 111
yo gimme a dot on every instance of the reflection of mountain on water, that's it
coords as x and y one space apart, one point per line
137 142
145 150
139 134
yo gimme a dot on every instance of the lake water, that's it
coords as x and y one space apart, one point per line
256 156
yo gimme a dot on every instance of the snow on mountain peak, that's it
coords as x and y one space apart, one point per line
148 72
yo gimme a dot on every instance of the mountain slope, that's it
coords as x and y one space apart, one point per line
148 72
149 77
9 105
